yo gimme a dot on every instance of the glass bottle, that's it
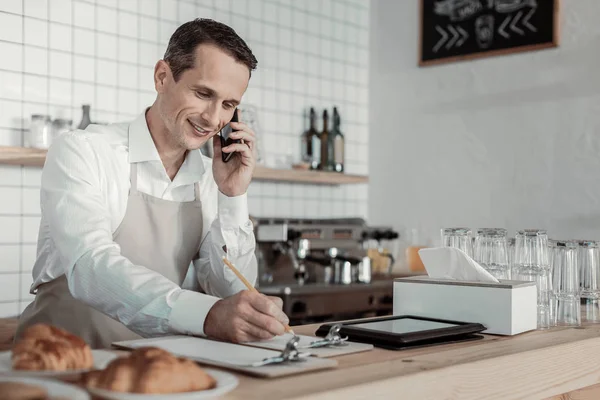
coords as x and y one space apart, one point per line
326 147
311 143
337 141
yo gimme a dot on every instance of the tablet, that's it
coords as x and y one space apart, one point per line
401 331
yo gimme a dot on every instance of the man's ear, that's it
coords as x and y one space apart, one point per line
162 74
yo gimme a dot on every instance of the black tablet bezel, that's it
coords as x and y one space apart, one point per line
389 339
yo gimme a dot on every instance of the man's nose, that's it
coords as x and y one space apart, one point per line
211 117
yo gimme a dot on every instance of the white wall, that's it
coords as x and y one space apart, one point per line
57 54
511 141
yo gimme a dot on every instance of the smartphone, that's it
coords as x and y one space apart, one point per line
225 139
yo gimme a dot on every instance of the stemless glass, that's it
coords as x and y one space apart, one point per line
552 295
459 238
565 283
531 264
491 251
511 252
589 268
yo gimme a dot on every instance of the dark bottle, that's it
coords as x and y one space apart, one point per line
85 118
337 142
326 147
311 143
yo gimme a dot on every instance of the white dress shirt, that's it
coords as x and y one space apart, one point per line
84 191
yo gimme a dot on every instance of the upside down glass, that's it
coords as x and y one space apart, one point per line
531 264
491 251
459 238
552 309
565 283
589 268
511 252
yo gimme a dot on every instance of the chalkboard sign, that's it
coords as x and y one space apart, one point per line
453 30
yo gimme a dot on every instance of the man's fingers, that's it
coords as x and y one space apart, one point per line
263 321
246 137
241 127
248 332
245 151
277 300
266 323
266 306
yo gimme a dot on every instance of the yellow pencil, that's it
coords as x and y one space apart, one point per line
248 285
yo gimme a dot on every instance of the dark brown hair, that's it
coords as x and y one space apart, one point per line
185 40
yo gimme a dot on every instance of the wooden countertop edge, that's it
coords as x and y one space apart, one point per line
538 364
539 374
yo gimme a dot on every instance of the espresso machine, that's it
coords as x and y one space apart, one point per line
321 268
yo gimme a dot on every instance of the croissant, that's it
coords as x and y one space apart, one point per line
45 347
150 370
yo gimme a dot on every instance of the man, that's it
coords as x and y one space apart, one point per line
127 207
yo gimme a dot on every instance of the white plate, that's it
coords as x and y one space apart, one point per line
226 382
54 388
101 360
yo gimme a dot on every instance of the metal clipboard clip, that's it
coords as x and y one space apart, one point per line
333 338
289 354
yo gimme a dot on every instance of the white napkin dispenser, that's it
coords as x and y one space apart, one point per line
504 308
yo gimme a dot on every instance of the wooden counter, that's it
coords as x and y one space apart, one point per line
536 365
557 364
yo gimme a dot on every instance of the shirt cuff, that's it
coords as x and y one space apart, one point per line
233 211
189 312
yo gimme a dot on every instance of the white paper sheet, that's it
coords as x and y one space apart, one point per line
229 355
202 349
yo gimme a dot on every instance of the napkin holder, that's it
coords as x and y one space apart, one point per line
504 308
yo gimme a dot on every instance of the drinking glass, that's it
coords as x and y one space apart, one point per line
531 264
491 251
511 252
552 295
565 283
459 238
589 268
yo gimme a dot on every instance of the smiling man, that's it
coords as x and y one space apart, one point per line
136 221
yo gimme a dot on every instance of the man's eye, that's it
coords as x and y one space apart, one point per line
201 95
228 106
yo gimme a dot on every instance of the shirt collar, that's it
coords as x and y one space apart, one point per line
141 145
143 149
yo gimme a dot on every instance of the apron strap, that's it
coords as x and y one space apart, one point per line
133 179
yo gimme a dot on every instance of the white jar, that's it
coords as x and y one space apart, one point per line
39 135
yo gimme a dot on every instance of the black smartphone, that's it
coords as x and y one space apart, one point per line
225 139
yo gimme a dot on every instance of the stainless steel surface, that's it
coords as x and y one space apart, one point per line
284 244
364 270
343 272
315 266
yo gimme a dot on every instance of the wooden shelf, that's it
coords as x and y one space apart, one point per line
22 156
306 176
36 158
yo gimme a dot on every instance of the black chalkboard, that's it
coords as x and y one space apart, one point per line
453 30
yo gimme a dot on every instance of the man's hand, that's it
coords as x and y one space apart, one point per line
246 317
234 176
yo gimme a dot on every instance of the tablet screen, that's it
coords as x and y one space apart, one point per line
403 325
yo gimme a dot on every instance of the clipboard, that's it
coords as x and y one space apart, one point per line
230 356
279 342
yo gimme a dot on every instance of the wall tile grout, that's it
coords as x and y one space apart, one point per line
321 62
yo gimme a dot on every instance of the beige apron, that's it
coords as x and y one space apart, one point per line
161 235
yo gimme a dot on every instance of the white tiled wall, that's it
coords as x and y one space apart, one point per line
56 55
